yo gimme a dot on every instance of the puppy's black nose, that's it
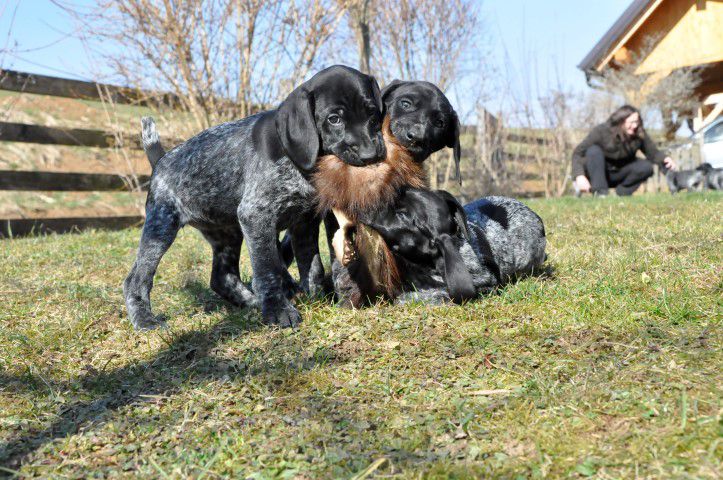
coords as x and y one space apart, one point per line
414 133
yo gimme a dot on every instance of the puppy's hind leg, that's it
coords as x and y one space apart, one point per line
305 243
159 232
225 278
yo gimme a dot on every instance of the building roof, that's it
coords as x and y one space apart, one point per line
603 47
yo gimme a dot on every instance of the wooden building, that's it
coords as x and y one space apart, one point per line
688 33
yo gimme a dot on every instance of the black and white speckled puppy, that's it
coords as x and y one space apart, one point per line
447 252
507 237
713 176
249 179
684 179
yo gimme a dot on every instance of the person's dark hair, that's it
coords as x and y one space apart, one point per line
618 117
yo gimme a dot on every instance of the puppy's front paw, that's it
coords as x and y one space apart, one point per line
148 321
283 314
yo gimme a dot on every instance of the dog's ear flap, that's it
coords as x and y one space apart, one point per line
386 91
296 128
454 144
460 285
457 211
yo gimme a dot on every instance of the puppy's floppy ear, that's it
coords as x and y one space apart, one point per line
387 91
460 285
457 211
454 144
296 128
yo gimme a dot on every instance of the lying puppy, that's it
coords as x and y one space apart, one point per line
423 231
713 176
419 121
250 179
688 179
507 237
445 252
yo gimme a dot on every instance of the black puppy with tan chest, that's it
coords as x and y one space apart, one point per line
419 120
249 179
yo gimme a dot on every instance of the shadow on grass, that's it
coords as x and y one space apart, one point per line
188 355
202 295
546 272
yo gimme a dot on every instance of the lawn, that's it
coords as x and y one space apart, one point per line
607 366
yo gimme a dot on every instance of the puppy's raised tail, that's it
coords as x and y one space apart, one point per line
151 141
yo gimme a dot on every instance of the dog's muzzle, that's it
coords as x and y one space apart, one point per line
373 152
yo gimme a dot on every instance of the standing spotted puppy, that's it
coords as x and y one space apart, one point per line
249 179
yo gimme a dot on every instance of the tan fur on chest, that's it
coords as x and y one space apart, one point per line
353 190
348 192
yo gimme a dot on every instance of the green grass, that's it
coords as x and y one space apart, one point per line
612 364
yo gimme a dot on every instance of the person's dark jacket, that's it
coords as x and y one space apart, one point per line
618 152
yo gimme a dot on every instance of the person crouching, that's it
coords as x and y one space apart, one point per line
607 156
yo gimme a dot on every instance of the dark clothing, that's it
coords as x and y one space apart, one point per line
602 175
617 151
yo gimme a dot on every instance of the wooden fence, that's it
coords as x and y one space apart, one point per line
66 182
525 163
105 182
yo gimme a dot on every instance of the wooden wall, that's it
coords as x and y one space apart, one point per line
692 35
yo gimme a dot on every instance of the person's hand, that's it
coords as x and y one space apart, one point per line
670 164
582 183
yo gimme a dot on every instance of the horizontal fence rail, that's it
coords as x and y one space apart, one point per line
69 182
74 137
62 87
517 138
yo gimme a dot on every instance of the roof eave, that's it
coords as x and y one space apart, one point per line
602 48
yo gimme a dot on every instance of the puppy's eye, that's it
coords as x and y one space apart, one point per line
439 123
404 103
334 119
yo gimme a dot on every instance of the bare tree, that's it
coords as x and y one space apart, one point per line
360 16
540 121
424 40
222 58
